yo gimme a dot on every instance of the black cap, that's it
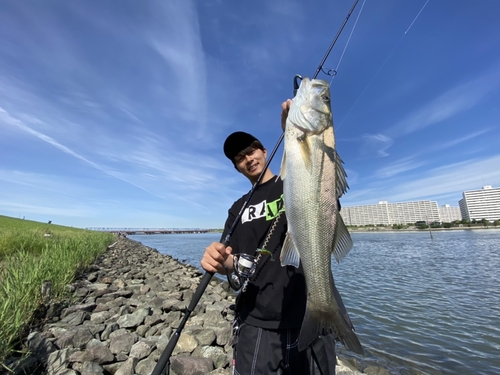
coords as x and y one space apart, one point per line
237 142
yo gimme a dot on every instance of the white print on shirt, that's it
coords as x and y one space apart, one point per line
255 211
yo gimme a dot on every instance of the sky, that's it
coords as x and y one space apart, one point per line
113 113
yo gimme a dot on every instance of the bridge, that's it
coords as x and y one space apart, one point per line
133 231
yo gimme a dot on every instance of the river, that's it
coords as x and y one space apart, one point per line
417 303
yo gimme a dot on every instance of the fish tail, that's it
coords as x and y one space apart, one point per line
312 326
343 327
316 324
348 338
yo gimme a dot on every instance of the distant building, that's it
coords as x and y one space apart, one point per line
481 204
449 214
391 213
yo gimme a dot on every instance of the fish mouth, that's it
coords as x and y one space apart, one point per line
324 112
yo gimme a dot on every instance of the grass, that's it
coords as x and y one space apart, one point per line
31 253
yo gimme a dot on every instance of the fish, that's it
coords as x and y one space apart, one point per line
313 181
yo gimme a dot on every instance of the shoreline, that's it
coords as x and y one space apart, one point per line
426 230
126 307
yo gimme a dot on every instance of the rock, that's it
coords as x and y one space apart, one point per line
213 318
53 310
186 344
191 366
100 317
224 335
216 354
122 343
145 367
152 320
375 370
108 330
75 318
128 367
206 337
345 368
100 355
59 360
118 332
40 346
68 372
75 338
221 371
174 305
140 350
91 368
133 320
94 343
87 307
97 286
22 366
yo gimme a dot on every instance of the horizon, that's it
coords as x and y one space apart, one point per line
114 114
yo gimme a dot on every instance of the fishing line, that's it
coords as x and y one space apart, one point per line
379 69
347 43
320 67
416 17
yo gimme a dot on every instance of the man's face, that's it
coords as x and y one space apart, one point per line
252 164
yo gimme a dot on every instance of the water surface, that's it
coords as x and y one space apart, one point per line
417 303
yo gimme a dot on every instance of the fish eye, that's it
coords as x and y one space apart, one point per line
325 98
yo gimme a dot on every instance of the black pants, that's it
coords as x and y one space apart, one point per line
262 351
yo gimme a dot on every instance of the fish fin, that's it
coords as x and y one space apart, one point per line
342 240
341 176
345 332
312 327
283 166
289 254
347 337
305 151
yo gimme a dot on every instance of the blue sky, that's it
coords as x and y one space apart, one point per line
113 113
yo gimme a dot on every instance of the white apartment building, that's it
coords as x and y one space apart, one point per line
449 214
391 213
481 204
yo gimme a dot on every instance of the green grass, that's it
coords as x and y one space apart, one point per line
31 253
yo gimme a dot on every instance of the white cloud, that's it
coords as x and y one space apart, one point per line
24 209
404 165
460 140
447 105
375 145
418 159
448 180
183 53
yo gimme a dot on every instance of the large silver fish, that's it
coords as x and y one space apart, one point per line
314 179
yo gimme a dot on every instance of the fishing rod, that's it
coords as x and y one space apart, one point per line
163 365
320 66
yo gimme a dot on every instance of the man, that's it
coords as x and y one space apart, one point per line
271 308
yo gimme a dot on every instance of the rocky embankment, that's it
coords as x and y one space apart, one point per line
126 309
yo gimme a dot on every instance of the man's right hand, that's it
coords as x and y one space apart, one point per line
285 108
217 258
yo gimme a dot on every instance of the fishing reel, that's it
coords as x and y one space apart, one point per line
244 267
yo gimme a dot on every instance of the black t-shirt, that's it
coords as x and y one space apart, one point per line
276 295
